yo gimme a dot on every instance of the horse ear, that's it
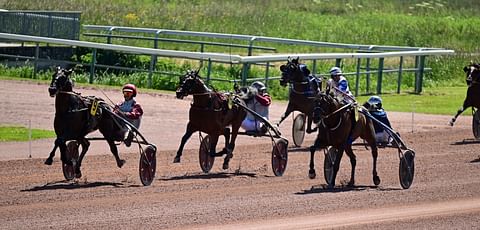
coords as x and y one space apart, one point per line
283 68
465 69
297 59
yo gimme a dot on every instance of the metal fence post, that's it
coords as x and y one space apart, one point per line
380 75
420 73
92 65
209 70
417 60
357 79
338 62
367 78
150 70
109 36
400 69
35 60
266 73
245 73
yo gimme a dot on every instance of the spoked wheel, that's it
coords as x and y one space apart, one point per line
279 156
298 129
206 161
148 165
476 124
328 164
71 155
407 168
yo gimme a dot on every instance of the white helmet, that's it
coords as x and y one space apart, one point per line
259 86
335 71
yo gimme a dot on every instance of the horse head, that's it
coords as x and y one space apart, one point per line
472 72
325 104
293 71
61 81
190 83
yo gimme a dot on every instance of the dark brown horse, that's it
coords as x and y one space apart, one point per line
336 129
73 120
472 99
209 113
302 90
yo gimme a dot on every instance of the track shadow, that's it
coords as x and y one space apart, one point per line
298 149
343 188
210 176
70 185
467 142
475 160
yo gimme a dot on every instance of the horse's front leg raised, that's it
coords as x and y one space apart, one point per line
114 150
460 111
285 115
85 145
188 133
49 160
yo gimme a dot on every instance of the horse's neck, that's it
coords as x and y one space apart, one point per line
65 102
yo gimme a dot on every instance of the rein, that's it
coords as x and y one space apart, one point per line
333 113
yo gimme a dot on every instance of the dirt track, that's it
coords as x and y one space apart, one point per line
444 194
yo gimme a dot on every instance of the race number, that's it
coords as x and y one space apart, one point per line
93 110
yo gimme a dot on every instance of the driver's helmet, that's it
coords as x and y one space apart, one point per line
375 103
334 71
130 88
259 86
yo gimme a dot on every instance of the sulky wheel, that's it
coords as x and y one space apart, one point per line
298 129
206 161
328 165
407 168
476 124
279 156
71 155
148 165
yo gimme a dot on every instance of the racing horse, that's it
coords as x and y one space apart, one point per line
302 90
209 113
336 129
472 99
73 120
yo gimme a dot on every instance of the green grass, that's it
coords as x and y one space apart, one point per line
442 100
17 133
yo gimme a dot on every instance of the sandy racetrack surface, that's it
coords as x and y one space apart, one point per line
444 194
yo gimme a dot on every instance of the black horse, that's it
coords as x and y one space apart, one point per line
302 90
472 99
336 129
211 114
73 120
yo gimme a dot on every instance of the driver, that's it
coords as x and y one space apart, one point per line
130 110
260 104
374 106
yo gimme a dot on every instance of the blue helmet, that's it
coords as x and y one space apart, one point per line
335 71
375 102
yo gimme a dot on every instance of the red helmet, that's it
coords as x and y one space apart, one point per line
130 88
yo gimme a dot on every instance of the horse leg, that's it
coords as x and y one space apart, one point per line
285 115
311 171
85 145
353 163
309 125
114 150
336 166
465 105
376 178
186 136
231 145
49 160
226 133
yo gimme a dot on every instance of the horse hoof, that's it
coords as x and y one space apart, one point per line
176 159
225 166
312 174
351 184
376 180
49 161
78 174
120 163
331 186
